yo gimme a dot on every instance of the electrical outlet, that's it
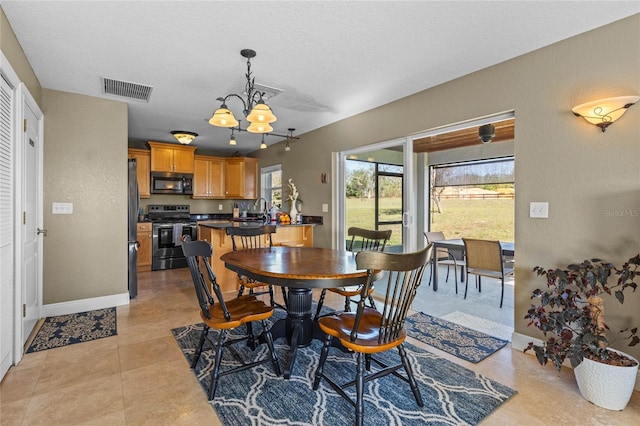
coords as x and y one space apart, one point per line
539 210
325 208
219 206
62 208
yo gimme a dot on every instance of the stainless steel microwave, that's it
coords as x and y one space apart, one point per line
171 183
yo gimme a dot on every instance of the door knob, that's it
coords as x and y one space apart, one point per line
41 231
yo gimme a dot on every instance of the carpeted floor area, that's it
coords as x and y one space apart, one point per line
463 342
490 328
70 329
452 394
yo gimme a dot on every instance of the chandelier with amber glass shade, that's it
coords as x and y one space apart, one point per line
254 109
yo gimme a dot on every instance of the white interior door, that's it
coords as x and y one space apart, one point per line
31 218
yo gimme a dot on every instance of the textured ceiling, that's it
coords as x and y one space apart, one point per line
331 60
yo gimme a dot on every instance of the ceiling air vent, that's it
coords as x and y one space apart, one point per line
126 89
269 92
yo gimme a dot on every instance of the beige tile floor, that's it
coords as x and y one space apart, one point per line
140 376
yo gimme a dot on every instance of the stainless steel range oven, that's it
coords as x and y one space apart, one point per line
169 224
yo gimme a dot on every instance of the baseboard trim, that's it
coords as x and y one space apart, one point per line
5 364
519 342
75 306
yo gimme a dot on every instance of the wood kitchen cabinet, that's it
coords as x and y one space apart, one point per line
143 161
171 158
241 178
144 250
208 177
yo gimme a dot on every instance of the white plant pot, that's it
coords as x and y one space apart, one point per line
607 386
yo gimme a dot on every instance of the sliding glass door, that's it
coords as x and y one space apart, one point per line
371 192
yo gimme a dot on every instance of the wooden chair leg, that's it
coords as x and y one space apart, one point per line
284 297
198 352
412 380
271 299
241 290
372 301
360 390
320 303
347 304
215 374
251 342
274 358
323 358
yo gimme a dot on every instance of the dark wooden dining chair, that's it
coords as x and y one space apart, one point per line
484 259
368 331
224 316
243 238
361 240
445 257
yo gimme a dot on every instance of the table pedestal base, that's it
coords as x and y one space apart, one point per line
298 327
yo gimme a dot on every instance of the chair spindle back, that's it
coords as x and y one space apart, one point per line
196 253
243 238
404 272
368 239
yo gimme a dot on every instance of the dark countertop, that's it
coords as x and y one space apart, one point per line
217 224
251 217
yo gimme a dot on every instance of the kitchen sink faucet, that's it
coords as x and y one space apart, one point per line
263 212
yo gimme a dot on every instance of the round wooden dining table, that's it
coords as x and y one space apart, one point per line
300 269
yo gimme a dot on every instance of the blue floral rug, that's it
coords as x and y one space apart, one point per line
69 329
452 395
470 345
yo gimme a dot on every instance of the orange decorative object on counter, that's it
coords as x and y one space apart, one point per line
285 219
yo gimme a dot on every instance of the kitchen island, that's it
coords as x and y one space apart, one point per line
214 231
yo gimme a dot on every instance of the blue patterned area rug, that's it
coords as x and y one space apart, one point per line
453 395
470 345
69 329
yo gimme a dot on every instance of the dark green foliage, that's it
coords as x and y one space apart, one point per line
565 317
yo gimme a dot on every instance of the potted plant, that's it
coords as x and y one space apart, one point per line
570 314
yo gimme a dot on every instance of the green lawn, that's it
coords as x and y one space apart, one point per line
360 213
485 219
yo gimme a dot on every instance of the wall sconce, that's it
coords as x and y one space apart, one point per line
183 137
604 112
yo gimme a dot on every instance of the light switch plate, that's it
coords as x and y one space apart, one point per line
219 206
325 208
539 210
62 208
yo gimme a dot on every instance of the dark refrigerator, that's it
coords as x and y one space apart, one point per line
132 205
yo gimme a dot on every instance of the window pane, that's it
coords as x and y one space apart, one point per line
390 168
474 200
271 184
475 173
